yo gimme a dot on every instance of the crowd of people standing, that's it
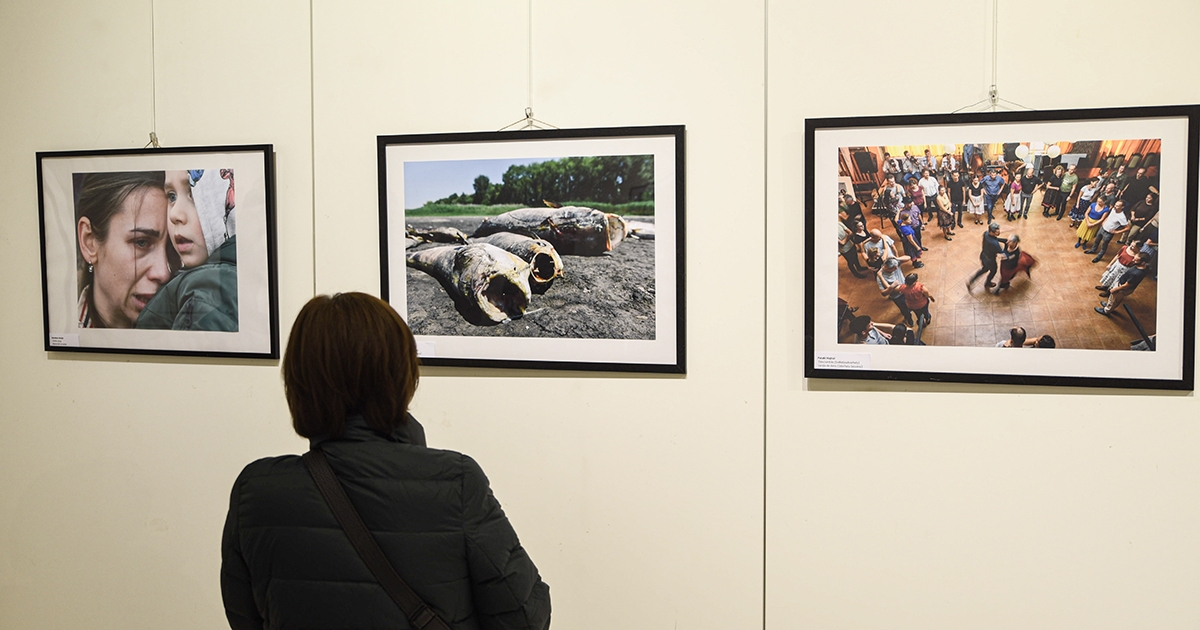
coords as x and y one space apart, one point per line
923 191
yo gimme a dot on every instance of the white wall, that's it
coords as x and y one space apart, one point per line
627 490
641 498
114 470
927 506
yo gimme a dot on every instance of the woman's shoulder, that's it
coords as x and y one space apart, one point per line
401 462
371 459
425 475
268 467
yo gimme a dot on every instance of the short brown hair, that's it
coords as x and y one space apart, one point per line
349 354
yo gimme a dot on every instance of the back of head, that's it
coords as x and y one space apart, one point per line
1017 336
348 354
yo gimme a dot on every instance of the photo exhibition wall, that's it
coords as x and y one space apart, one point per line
655 421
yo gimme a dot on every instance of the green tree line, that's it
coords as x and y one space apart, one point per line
615 179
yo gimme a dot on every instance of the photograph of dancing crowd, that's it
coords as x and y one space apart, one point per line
1011 245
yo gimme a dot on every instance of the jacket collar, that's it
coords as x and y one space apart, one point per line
357 430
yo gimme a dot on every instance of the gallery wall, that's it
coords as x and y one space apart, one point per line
643 499
940 506
626 490
115 469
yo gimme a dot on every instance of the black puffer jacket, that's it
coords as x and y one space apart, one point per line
286 563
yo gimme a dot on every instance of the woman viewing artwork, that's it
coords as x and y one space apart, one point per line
349 373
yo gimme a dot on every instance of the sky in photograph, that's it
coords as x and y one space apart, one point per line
430 181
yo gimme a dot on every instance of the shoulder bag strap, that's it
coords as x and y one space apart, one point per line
418 613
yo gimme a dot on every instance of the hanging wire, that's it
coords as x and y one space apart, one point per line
153 86
529 122
993 100
529 59
312 140
993 93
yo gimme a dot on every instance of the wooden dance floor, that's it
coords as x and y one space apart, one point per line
1058 300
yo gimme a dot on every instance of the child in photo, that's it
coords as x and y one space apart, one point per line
201 228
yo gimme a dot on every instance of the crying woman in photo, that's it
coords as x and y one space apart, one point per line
201 229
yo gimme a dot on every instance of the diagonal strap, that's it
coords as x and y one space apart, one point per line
418 613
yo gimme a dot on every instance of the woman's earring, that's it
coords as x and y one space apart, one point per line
91 269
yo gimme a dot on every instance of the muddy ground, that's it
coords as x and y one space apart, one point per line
601 297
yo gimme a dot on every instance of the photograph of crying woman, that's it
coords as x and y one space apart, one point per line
157 249
141 251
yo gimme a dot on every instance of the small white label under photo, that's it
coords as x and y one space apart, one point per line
843 360
65 341
426 349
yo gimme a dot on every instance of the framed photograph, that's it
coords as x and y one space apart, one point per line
159 251
552 249
962 238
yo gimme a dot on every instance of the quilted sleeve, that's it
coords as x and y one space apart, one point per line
235 575
507 591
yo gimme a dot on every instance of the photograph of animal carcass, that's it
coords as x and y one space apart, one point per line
557 247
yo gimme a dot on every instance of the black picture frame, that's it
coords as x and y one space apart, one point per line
830 351
120 277
618 301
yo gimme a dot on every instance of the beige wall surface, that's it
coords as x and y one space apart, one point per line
922 506
114 470
627 491
640 497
